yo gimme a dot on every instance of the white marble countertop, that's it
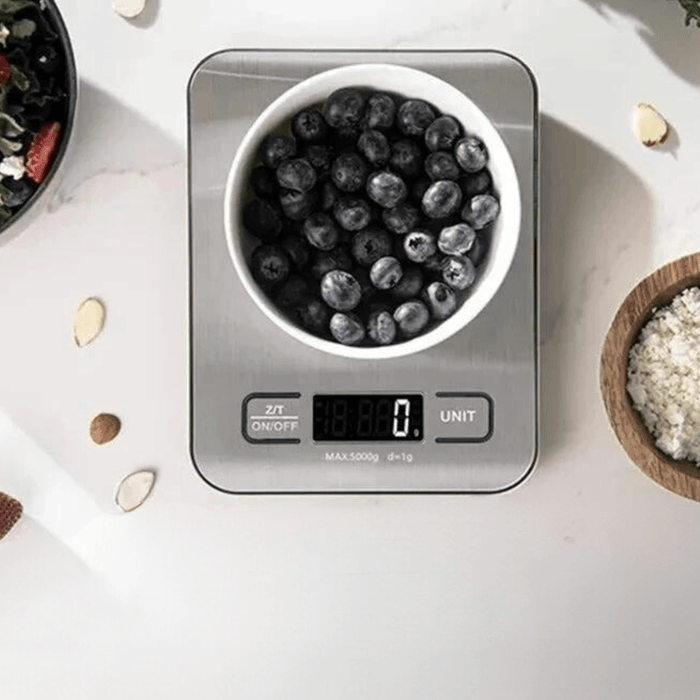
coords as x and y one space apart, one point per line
580 584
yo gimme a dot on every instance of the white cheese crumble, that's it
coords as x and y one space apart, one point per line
664 376
13 166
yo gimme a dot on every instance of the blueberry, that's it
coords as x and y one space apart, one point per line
386 189
352 213
442 199
401 219
326 260
441 166
309 125
343 141
361 274
262 219
381 111
20 191
344 109
313 315
349 172
36 115
370 244
374 147
292 292
298 249
457 239
476 183
320 158
412 317
419 246
471 154
347 329
441 300
275 149
386 273
480 211
414 117
458 272
478 251
263 182
297 205
397 249
320 230
442 134
340 290
406 158
296 174
419 188
381 327
329 195
433 266
47 59
270 265
410 285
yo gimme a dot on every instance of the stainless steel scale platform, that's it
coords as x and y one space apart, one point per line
253 387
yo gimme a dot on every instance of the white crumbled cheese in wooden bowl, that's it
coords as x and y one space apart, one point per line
664 376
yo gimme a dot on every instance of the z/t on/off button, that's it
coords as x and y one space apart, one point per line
272 418
463 417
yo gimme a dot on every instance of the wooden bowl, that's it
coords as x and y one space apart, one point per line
656 290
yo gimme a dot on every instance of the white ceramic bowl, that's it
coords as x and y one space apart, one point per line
407 82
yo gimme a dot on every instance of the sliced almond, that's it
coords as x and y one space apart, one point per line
104 428
135 489
89 321
129 8
649 126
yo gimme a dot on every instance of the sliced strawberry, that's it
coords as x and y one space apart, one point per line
41 151
5 70
10 513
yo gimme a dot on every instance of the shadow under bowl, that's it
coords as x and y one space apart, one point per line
657 290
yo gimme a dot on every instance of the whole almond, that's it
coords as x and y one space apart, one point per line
104 428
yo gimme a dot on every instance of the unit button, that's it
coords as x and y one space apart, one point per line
463 417
272 418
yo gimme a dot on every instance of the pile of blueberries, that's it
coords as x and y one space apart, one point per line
373 216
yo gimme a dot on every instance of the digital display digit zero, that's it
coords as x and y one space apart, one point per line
368 417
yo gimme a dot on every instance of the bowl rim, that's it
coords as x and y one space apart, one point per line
22 215
655 290
235 183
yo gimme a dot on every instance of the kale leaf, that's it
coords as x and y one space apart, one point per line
692 11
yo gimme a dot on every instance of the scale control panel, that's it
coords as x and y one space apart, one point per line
292 418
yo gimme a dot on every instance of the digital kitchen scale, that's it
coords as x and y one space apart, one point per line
270 414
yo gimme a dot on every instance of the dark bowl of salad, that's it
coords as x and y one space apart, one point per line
38 97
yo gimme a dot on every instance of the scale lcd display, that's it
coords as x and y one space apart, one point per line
368 417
